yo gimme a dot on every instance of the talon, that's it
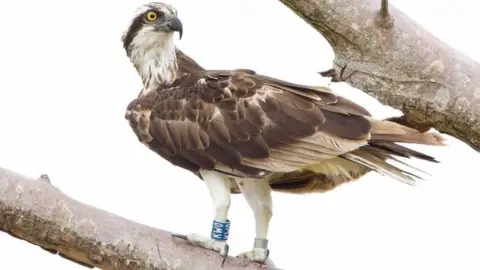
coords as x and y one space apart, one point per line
227 248
267 253
181 236
205 242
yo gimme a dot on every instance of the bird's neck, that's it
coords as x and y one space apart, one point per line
157 65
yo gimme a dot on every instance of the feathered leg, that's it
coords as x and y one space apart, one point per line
257 192
219 188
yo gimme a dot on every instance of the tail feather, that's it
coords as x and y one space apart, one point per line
399 150
365 158
383 147
387 131
384 154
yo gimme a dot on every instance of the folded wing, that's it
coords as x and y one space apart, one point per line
246 124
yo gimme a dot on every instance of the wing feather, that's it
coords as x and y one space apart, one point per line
251 124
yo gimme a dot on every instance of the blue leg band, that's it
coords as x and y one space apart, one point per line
220 230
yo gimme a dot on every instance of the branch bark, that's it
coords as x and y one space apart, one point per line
39 213
394 59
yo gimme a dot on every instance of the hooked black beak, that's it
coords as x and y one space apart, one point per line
176 25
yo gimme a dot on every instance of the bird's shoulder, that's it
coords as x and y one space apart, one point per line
242 94
209 86
213 86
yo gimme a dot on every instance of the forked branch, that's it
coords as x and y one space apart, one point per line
392 58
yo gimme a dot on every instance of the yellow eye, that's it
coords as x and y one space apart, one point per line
151 16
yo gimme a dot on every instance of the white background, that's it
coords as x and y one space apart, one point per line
65 82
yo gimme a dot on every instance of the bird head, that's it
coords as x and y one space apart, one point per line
153 25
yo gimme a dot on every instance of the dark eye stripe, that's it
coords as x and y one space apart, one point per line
132 31
136 25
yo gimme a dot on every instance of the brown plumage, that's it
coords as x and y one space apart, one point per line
304 139
243 132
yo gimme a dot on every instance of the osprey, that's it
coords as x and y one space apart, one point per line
243 132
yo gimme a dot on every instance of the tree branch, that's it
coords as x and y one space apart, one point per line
400 63
37 212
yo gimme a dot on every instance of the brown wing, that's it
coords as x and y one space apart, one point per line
186 64
246 124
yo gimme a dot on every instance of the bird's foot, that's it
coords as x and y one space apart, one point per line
217 241
258 255
205 242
